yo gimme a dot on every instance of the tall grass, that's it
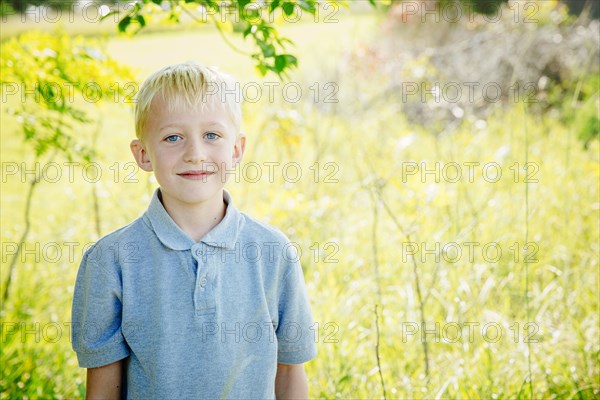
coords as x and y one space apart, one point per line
345 212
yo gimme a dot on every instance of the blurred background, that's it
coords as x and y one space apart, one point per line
435 162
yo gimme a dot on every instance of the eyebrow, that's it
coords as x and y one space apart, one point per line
216 124
211 124
169 126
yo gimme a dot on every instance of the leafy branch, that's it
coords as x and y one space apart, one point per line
252 20
52 82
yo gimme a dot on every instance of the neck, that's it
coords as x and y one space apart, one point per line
196 219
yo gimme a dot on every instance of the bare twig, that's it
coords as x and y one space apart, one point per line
95 200
376 194
377 353
375 246
13 262
415 266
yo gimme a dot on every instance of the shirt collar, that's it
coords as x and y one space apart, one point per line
171 235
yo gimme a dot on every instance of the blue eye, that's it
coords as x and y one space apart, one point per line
212 136
172 138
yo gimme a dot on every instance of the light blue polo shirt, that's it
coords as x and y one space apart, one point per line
204 320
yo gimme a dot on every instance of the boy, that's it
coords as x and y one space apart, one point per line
193 300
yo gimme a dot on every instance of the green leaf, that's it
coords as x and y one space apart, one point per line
247 31
280 63
308 5
347 377
124 23
141 20
274 4
261 68
266 30
291 60
138 6
268 50
288 8
285 61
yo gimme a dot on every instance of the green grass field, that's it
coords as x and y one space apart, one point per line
489 277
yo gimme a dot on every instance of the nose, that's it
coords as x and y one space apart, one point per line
194 152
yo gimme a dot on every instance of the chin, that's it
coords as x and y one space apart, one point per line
196 198
192 196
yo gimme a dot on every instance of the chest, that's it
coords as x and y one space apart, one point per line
181 287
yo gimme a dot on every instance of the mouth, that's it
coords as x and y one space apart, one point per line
196 175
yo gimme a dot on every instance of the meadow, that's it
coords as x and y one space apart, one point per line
460 263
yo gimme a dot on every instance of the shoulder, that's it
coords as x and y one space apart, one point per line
119 240
268 238
260 230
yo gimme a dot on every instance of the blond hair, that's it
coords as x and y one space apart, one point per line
188 85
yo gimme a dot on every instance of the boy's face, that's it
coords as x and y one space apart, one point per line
191 151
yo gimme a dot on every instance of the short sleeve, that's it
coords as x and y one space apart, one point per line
96 313
295 337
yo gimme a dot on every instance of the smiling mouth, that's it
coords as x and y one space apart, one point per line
196 175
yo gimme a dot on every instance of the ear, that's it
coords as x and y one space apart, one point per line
238 148
141 155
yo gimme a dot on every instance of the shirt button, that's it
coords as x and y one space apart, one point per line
198 252
203 282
